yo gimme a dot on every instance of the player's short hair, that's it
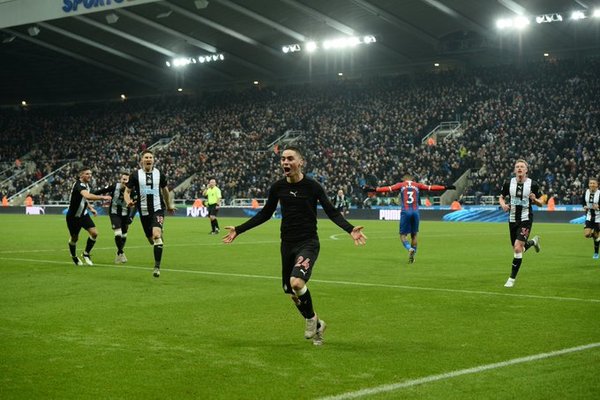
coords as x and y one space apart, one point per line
124 173
407 177
296 149
83 169
593 178
520 160
146 152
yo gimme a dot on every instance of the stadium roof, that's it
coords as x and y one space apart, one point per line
106 53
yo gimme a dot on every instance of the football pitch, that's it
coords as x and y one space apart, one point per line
216 324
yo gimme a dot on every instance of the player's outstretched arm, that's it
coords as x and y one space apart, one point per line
231 235
358 236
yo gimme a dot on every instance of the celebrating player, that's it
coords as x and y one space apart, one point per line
150 185
590 201
522 192
78 216
120 214
409 217
298 196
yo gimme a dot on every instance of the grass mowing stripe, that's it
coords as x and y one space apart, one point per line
454 374
363 284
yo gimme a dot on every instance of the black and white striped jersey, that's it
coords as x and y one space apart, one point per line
117 203
146 186
78 205
516 194
590 199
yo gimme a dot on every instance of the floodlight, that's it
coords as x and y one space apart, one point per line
168 63
179 89
369 39
310 46
123 97
340 74
285 49
33 30
577 15
221 57
596 13
201 59
436 64
200 4
546 54
23 103
255 82
520 22
503 23
111 18
540 19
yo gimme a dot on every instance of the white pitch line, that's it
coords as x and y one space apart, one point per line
363 284
453 374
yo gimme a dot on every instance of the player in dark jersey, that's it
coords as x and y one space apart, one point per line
152 193
121 216
298 196
522 192
591 205
409 216
78 216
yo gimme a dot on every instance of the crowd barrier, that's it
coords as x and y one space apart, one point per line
562 214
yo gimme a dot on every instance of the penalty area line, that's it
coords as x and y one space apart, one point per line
453 374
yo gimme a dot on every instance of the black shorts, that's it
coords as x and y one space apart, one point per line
76 223
519 231
155 220
213 210
595 226
119 222
298 260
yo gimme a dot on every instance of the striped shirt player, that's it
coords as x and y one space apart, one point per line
521 193
591 205
120 215
152 193
78 216
409 214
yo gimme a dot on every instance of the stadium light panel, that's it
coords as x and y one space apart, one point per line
436 64
596 13
520 22
179 89
33 31
112 18
546 55
577 15
23 103
180 62
255 82
336 43
503 23
340 74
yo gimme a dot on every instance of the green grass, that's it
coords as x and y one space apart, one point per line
216 325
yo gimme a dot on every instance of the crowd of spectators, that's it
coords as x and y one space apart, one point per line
547 113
